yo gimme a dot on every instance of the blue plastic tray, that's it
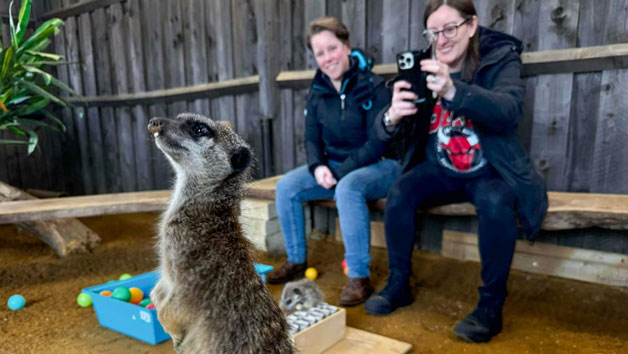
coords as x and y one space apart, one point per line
133 320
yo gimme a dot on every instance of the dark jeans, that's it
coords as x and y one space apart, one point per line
427 185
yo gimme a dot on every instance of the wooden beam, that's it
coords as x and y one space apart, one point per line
586 59
210 90
78 8
575 60
73 207
541 258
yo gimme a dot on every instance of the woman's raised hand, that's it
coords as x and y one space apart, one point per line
438 80
324 177
402 102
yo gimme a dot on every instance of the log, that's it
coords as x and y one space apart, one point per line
65 236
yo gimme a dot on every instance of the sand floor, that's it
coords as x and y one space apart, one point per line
542 314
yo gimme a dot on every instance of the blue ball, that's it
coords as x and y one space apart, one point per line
16 302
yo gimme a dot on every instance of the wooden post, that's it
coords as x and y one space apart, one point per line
267 46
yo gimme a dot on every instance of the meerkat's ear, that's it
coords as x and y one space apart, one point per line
240 159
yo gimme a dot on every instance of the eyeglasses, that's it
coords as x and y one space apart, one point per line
448 32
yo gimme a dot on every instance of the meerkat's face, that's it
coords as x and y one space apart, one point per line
197 145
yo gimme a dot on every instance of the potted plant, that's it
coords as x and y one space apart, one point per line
26 90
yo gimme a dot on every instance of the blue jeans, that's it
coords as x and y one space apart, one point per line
351 194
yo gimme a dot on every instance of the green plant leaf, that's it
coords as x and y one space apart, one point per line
24 17
51 56
33 140
43 92
62 85
54 119
7 62
47 77
7 141
32 107
14 41
42 33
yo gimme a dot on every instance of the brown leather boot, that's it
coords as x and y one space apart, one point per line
287 272
355 292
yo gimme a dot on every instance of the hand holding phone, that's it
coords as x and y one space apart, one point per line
409 69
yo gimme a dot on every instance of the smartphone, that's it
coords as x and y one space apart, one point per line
409 69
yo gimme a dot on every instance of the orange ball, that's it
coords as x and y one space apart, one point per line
136 295
106 293
346 270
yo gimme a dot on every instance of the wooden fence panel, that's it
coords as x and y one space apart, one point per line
196 52
312 9
609 157
142 139
417 41
395 28
283 126
93 122
220 33
174 51
354 17
374 36
124 125
152 13
553 94
75 81
109 123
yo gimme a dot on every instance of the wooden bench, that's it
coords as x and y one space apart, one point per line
566 211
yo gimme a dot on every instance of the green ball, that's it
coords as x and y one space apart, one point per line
125 276
145 302
84 300
121 293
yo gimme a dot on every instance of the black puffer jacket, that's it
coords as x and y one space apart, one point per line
339 125
494 102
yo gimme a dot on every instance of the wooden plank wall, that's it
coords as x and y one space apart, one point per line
574 125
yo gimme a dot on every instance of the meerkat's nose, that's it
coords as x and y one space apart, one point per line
154 125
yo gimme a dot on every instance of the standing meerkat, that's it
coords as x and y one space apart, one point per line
209 297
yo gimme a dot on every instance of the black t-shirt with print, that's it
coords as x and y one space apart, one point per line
453 143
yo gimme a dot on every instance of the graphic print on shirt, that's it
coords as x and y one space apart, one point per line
457 144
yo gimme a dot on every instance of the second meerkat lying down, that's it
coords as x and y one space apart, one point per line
209 297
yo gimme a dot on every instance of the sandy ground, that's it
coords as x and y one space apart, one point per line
542 314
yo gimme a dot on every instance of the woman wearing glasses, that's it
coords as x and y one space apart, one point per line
463 146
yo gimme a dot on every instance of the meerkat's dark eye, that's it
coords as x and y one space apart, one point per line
198 130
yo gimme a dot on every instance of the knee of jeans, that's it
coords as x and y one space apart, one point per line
284 189
396 196
347 191
495 206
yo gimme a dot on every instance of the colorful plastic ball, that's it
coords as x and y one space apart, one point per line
150 306
121 293
311 273
84 300
343 264
16 302
346 271
106 293
136 295
145 302
125 276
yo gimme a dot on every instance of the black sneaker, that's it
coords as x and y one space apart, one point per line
480 325
395 294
